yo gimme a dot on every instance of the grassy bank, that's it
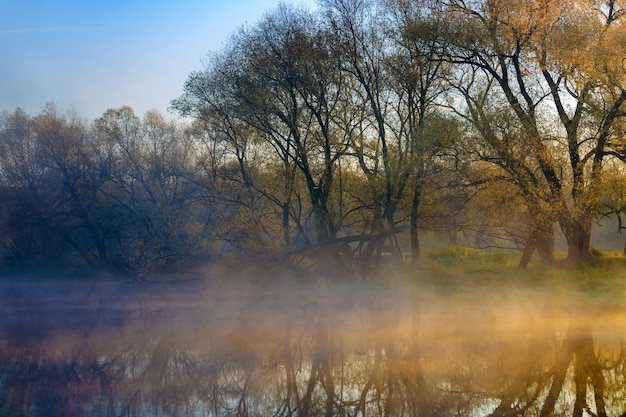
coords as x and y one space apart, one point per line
463 269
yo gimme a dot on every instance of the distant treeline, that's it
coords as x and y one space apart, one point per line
492 123
124 193
119 193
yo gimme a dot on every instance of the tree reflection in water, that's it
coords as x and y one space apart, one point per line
120 350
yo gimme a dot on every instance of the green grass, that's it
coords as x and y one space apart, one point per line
472 259
459 269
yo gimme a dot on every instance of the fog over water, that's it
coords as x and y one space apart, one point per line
187 349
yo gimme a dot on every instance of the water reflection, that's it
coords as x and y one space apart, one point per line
196 350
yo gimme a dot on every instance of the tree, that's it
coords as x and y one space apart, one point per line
418 74
229 139
397 79
153 187
281 78
24 227
565 104
49 168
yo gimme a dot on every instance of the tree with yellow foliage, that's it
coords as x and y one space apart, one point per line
553 70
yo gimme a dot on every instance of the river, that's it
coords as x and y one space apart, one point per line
199 349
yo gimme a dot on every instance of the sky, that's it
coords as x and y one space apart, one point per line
90 56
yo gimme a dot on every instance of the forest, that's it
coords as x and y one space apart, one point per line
341 136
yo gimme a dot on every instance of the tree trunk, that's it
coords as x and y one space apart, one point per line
543 242
528 253
545 248
415 243
323 222
396 251
375 227
286 207
578 237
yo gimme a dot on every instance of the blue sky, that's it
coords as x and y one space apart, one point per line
95 55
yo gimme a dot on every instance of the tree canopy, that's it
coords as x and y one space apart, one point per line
494 124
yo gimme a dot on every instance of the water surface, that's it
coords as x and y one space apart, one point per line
196 349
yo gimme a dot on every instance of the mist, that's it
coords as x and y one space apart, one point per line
235 346
364 208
